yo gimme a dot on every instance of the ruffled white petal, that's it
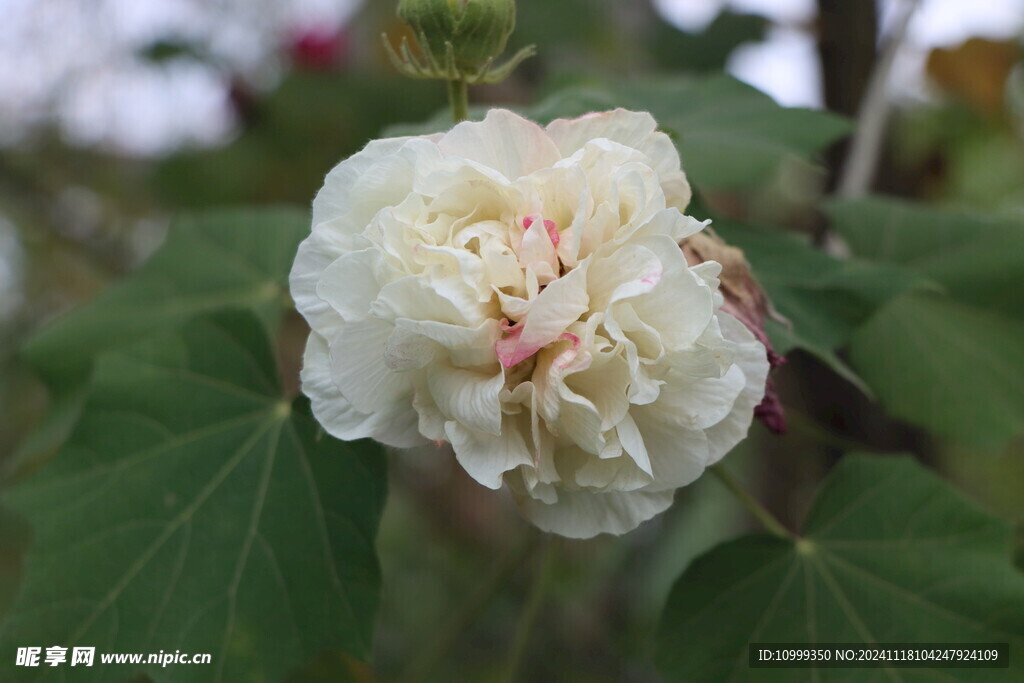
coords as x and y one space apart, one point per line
396 426
471 398
678 455
315 254
558 306
703 403
351 283
633 443
678 290
503 141
585 514
486 457
750 357
520 292
377 170
622 274
359 369
632 129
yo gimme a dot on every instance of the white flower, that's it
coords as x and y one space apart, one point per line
519 292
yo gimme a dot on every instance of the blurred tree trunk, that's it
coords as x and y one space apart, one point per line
847 40
847 47
847 33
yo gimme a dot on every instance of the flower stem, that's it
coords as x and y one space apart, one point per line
531 610
767 519
458 97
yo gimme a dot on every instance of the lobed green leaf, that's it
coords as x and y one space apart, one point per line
889 554
974 257
195 508
952 368
728 133
211 261
951 363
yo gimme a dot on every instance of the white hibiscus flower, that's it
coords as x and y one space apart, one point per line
519 292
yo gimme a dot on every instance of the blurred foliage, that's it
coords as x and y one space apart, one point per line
166 50
968 148
948 367
293 137
673 49
729 135
15 536
576 29
958 350
925 315
975 72
332 666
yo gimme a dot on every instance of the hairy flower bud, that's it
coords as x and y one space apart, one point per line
477 30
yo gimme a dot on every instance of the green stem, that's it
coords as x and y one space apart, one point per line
530 610
767 519
458 97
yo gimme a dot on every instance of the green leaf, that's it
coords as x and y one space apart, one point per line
785 338
196 509
890 554
824 299
951 368
976 258
709 50
950 364
332 666
210 261
570 102
67 397
728 133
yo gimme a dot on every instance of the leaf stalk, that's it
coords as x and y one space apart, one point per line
769 521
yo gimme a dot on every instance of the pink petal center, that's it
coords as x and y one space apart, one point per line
509 349
549 226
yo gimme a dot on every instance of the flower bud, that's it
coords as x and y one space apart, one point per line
477 30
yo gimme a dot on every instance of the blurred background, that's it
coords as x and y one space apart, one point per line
117 114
